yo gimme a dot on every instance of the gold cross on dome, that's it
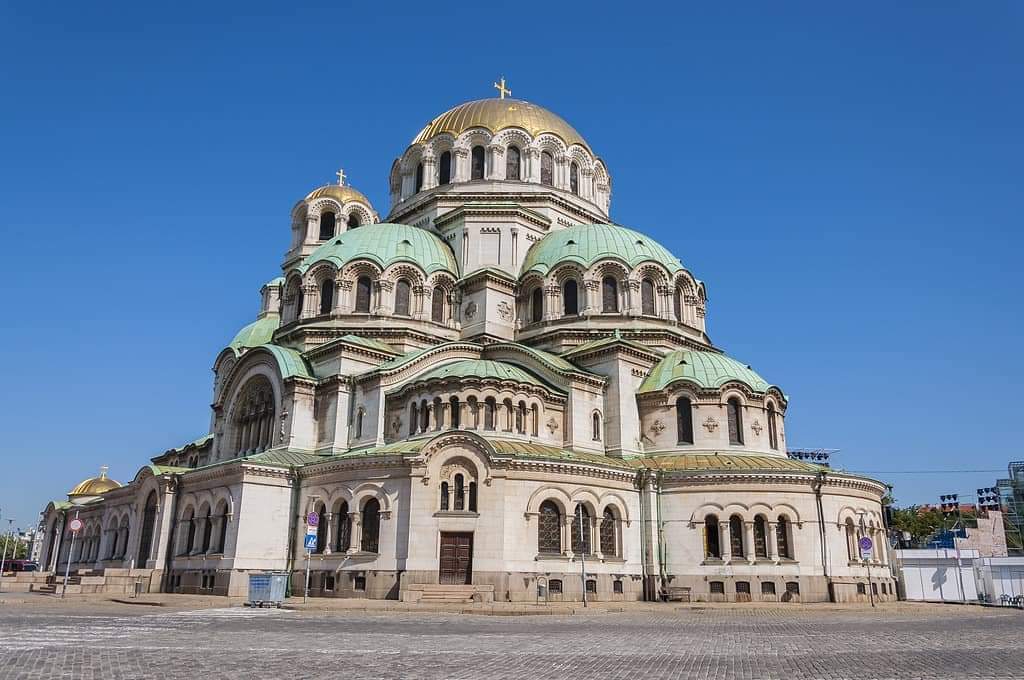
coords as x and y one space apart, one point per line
502 90
341 177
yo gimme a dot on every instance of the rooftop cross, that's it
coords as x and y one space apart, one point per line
502 90
341 177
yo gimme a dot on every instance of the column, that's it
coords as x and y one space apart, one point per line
532 170
460 165
495 156
553 302
773 545
724 541
356 543
465 422
446 415
591 303
567 535
329 537
748 541
312 231
429 172
310 300
431 417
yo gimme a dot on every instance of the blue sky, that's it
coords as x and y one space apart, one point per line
847 180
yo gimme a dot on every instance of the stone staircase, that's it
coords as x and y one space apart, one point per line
440 593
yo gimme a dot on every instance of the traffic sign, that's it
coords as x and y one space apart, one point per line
76 525
310 542
313 519
311 531
865 547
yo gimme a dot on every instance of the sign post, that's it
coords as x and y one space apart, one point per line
583 550
75 525
312 522
866 546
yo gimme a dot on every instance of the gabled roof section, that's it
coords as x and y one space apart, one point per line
483 369
608 341
289 362
386 244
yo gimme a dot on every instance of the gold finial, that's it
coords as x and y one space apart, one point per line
341 177
502 90
103 471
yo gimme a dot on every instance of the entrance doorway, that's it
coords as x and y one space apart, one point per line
456 558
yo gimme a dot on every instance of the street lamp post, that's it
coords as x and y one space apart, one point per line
3 560
67 565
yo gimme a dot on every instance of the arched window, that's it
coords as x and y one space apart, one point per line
254 416
472 496
684 420
534 420
437 305
782 538
547 168
445 168
773 432
190 534
425 415
455 408
360 414
343 533
328 223
608 542
371 526
677 304
647 298
521 417
760 537
570 303
507 415
222 534
851 541
537 304
148 529
489 408
438 413
353 220
735 413
512 163
321 530
609 294
736 536
549 529
460 492
712 545
300 303
327 296
403 291
595 426
444 495
419 176
413 418
477 161
574 178
363 289
581 531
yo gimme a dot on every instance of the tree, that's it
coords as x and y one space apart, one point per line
16 549
920 522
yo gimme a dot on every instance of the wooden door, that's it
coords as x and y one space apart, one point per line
456 558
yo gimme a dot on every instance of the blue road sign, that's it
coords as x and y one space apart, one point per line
310 541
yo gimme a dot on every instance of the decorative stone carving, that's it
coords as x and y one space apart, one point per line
757 427
552 425
505 310
470 310
710 424
657 427
396 424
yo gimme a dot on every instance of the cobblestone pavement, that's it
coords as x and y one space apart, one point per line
904 641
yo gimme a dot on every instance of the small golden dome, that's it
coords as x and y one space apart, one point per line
339 193
497 114
94 486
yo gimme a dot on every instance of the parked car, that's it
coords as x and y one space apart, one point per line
23 565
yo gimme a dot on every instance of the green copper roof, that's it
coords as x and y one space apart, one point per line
257 333
386 244
482 368
290 362
551 360
705 369
369 343
585 244
604 342
715 462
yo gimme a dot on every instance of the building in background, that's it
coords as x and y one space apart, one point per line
1011 497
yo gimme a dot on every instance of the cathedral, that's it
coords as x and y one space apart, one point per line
495 394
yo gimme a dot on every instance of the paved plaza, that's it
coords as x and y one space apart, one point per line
96 640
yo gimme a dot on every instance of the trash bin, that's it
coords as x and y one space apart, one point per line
267 589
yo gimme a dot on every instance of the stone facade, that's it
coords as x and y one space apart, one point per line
495 389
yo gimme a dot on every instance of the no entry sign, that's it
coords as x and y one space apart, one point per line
76 525
313 519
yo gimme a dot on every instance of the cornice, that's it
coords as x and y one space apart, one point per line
490 208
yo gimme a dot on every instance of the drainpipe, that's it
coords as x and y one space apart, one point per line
292 524
819 481
169 553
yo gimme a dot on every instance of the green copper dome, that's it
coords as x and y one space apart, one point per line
585 244
484 369
386 244
259 332
706 369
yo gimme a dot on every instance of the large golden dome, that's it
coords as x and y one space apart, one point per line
497 114
94 486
